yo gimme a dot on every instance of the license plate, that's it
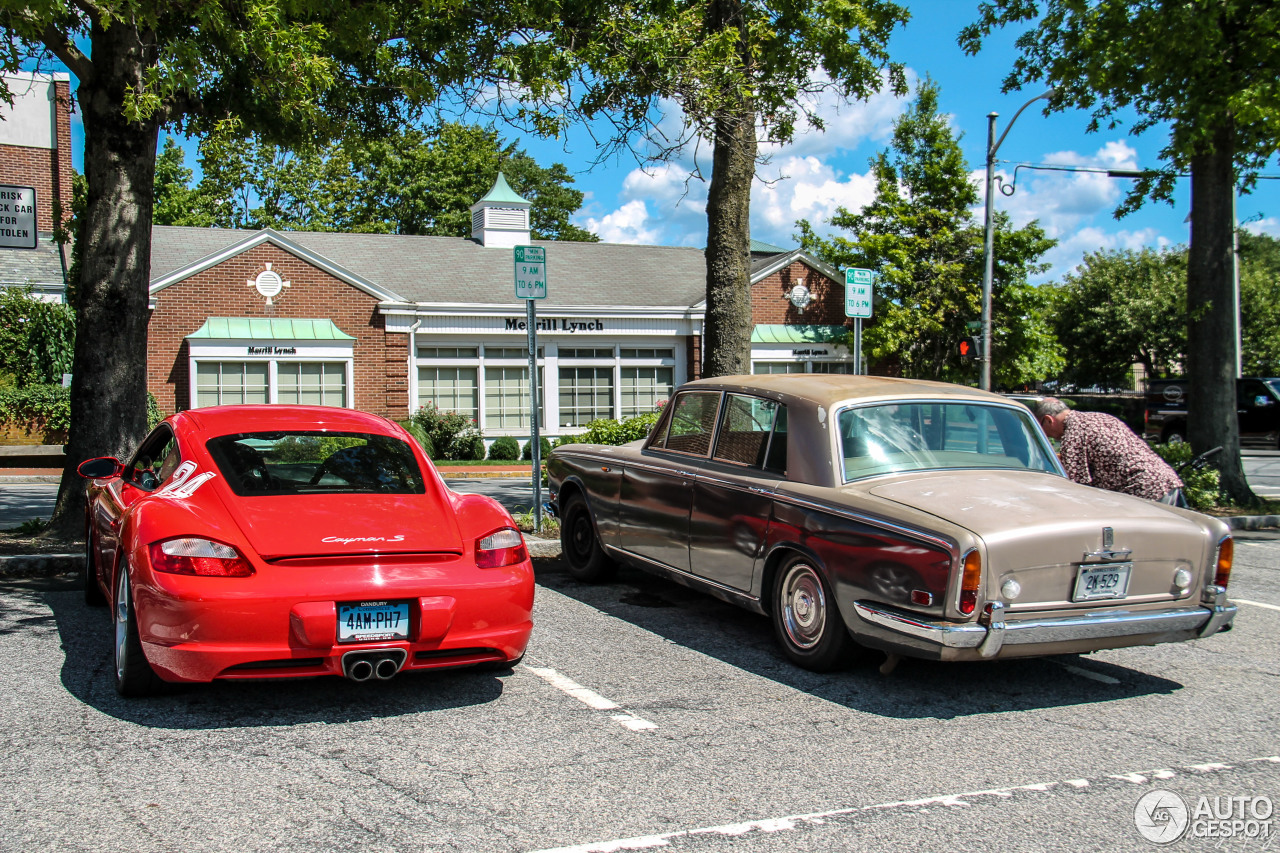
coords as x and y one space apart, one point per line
373 620
1094 583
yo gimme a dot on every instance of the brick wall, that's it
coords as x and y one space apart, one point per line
770 305
380 358
48 170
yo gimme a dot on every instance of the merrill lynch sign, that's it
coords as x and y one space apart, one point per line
551 324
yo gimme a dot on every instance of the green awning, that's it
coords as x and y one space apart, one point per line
779 333
269 329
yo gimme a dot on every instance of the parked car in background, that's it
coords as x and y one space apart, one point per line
289 541
1257 407
920 518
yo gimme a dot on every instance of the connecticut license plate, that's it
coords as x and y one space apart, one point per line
373 620
1094 583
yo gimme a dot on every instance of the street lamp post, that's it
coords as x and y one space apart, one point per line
988 259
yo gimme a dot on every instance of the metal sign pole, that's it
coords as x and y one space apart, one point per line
535 440
857 346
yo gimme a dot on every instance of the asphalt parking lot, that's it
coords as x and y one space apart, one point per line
644 716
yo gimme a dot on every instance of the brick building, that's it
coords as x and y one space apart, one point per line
388 323
35 156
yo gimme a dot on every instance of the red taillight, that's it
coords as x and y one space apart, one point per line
969 582
1222 573
503 547
204 557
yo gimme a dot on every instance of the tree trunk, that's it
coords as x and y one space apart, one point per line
109 371
727 335
1211 326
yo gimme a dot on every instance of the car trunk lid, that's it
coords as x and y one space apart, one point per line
347 524
1040 530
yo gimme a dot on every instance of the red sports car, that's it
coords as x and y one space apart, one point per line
290 541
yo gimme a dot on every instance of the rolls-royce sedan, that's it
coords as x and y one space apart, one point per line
919 518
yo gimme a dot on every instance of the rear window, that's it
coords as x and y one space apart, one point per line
287 463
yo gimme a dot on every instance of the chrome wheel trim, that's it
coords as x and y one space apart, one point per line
122 622
804 606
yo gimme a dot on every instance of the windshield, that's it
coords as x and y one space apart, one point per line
1274 385
287 463
887 438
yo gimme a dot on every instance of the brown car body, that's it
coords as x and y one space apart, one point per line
924 519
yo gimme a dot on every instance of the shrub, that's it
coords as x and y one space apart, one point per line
505 449
543 444
605 431
45 407
37 338
420 436
452 435
1200 487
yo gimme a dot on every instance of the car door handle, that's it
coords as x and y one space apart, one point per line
758 490
686 473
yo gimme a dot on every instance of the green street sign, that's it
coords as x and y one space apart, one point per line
531 272
858 288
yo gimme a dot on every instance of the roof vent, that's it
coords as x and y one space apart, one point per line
500 220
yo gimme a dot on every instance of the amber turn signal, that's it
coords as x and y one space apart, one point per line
1226 550
969 582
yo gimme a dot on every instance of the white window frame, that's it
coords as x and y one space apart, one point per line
304 351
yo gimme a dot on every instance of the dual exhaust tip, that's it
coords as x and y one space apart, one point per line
382 664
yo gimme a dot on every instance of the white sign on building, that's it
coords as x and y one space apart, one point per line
17 217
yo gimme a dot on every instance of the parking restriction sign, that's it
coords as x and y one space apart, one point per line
857 293
531 272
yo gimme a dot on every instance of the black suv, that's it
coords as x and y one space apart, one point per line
1257 406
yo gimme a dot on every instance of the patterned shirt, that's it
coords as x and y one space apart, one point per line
1099 450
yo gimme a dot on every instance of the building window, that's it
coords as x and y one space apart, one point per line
447 352
648 353
506 397
586 394
451 389
643 388
833 367
311 383
225 383
508 352
777 367
586 352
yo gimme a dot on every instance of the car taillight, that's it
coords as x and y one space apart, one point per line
969 582
503 547
1226 550
204 557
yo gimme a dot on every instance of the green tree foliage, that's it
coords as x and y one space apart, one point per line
1260 304
1207 70
177 202
1120 308
406 182
920 236
37 338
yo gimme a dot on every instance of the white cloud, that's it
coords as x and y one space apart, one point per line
627 224
1269 226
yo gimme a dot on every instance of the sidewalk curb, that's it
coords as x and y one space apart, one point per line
1252 522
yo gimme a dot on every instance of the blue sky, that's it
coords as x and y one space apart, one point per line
818 172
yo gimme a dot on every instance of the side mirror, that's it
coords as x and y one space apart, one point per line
101 468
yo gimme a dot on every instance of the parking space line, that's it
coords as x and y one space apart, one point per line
1088 673
1254 603
793 822
590 698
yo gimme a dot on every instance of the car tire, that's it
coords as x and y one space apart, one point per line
93 595
807 621
1175 435
583 554
134 676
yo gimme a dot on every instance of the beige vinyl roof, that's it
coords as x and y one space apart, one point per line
827 389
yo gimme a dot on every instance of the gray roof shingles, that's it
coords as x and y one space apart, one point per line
459 270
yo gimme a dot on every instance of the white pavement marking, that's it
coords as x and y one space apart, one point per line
1254 603
782 824
1088 673
590 698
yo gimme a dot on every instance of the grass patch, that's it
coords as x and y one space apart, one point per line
458 463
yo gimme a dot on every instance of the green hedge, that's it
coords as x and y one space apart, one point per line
47 407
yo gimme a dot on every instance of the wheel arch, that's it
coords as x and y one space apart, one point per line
779 554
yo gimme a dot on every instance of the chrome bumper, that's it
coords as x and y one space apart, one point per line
994 629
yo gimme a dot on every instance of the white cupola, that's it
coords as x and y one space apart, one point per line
500 220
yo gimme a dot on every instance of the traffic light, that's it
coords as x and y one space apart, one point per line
970 347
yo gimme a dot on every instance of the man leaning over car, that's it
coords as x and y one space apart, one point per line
1099 450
